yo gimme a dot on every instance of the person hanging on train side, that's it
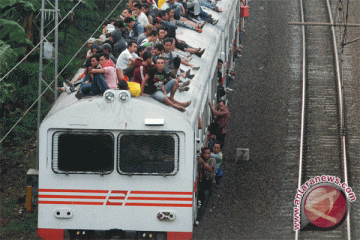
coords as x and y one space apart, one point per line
221 116
218 156
213 130
207 183
159 84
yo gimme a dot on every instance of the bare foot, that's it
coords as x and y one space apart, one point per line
180 108
186 104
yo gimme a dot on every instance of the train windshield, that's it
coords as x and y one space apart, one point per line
153 154
83 152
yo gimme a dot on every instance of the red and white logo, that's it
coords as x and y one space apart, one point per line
325 206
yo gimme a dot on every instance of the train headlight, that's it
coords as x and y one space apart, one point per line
124 96
109 96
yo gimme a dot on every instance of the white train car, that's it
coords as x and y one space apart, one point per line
130 164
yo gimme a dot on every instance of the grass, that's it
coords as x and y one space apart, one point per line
16 222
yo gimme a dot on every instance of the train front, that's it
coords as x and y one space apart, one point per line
116 164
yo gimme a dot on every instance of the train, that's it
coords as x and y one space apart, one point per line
116 163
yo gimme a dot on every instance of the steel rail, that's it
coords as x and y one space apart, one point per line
341 111
302 126
340 100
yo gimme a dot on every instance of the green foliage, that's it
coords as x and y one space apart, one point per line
12 43
6 90
12 33
16 9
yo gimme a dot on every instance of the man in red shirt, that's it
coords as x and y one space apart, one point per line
222 117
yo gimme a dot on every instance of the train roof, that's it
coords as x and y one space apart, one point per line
209 39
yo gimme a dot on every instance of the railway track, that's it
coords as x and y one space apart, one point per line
322 143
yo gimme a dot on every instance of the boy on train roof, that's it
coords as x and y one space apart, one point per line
159 84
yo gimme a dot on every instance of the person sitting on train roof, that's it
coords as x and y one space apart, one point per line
168 25
72 86
108 69
93 49
156 22
192 5
207 183
140 51
208 4
162 34
179 9
141 66
140 16
184 22
158 51
152 2
202 15
98 84
151 39
123 85
134 28
221 116
141 37
106 48
127 58
118 42
127 12
172 61
90 42
159 84
171 33
148 11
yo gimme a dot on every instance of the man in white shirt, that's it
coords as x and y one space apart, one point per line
127 58
141 17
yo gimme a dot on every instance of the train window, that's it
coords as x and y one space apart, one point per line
83 152
148 154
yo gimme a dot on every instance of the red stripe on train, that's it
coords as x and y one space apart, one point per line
73 190
157 205
116 198
71 196
71 202
160 198
114 203
159 192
